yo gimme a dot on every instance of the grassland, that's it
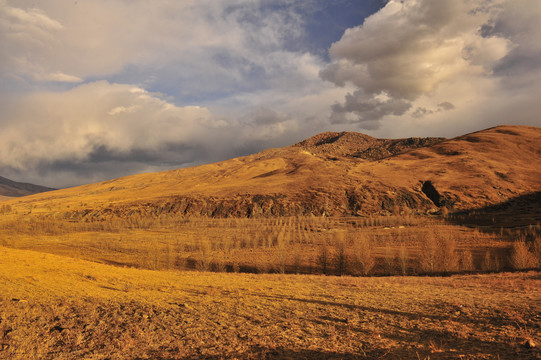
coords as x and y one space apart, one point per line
303 252
55 307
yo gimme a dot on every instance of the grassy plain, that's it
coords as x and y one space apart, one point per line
55 307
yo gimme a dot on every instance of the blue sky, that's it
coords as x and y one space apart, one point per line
93 90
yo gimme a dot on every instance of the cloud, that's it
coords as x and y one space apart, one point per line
151 85
98 89
102 130
411 49
206 40
72 125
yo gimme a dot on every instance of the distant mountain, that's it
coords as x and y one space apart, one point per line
330 174
15 189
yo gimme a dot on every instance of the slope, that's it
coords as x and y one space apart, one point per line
330 174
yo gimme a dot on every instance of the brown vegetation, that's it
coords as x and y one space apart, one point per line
330 246
53 307
320 178
178 240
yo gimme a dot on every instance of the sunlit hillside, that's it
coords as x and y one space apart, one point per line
318 250
342 174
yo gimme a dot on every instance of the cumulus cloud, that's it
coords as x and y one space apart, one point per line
102 130
411 49
91 90
150 85
73 125
205 43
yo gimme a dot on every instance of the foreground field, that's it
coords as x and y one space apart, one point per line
55 307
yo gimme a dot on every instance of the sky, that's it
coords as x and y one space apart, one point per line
92 90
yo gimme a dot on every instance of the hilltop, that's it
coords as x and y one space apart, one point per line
331 174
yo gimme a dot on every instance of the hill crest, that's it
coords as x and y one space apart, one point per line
324 175
358 145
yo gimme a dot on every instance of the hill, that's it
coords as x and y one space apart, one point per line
330 174
10 188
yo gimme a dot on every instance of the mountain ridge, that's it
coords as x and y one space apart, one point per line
318 178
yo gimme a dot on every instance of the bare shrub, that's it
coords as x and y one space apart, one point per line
402 259
218 265
388 260
537 250
297 258
340 257
448 255
168 256
466 261
429 253
281 259
204 260
235 265
323 258
521 257
363 256
489 262
263 266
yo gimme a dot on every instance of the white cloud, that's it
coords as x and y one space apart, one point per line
79 80
415 51
58 77
50 126
99 38
92 82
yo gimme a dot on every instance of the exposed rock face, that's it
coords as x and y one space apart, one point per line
350 144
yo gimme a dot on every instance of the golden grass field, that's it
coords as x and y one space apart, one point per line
54 307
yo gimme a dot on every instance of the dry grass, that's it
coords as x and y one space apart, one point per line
310 245
54 307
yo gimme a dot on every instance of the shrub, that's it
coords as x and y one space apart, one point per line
429 253
323 258
448 256
340 254
466 261
521 257
388 260
281 259
537 250
363 256
491 262
402 259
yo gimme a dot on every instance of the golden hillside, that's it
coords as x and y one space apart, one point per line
331 174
